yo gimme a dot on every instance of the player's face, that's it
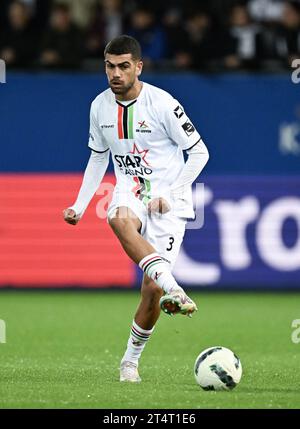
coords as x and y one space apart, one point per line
122 72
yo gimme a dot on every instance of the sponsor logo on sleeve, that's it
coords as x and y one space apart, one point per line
178 112
188 128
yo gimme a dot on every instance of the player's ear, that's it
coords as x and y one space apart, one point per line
139 68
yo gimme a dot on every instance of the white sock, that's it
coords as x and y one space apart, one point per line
136 343
157 269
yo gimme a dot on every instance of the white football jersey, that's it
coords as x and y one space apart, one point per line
146 138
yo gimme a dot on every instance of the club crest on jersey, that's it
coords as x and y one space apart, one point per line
143 127
134 162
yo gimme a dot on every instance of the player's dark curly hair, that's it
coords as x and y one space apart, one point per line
124 45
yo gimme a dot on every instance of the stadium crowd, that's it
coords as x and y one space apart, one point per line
203 35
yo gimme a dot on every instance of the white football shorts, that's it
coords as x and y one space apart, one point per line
164 231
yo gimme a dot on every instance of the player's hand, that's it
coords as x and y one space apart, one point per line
158 205
71 217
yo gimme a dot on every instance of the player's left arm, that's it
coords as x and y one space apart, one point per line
198 157
182 131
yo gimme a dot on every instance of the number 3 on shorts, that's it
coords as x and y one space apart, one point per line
171 242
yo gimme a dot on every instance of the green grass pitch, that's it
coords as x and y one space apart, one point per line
63 350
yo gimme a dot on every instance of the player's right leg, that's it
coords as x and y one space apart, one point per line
142 327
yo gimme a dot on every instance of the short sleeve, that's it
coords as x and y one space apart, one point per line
96 141
178 126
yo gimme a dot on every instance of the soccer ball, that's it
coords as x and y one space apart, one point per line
217 368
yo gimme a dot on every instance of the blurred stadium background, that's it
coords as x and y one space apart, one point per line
230 64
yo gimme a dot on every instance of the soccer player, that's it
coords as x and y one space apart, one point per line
146 131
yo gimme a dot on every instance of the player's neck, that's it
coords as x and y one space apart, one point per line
132 94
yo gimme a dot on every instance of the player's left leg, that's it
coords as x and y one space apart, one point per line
142 327
127 226
165 232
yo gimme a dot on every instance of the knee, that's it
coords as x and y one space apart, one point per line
121 227
116 223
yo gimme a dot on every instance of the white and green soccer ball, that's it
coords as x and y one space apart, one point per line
217 368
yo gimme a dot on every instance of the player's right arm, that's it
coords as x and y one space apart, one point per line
94 173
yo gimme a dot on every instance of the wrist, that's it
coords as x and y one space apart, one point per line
77 209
